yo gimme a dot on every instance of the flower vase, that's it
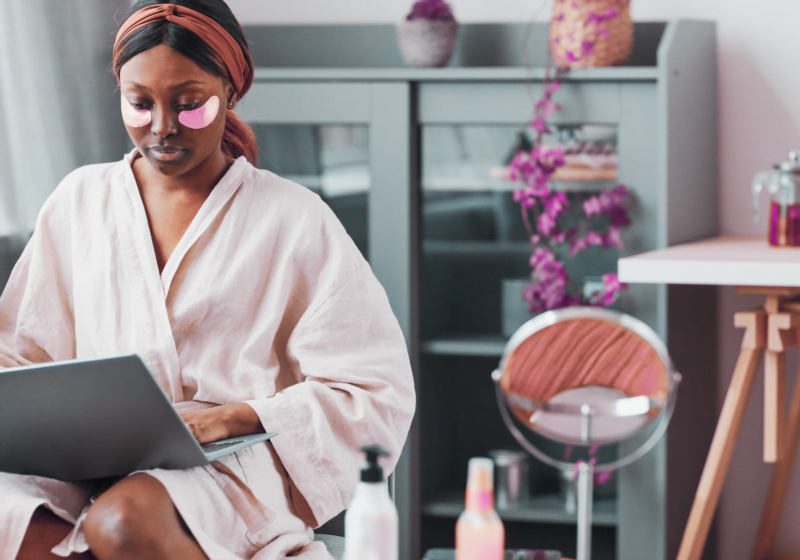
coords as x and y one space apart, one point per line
427 43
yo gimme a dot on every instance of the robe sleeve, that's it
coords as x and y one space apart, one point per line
358 389
36 312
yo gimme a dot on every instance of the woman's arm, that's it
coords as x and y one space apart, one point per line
357 389
224 421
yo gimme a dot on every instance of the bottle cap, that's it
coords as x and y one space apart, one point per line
372 470
480 475
480 484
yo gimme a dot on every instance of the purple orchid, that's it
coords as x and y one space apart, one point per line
605 210
539 125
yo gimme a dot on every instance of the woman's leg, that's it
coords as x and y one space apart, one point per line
44 532
136 520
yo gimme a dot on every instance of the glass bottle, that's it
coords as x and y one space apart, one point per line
783 185
479 531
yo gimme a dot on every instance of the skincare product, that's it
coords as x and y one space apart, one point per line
479 532
370 524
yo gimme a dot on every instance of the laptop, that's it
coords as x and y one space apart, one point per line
85 419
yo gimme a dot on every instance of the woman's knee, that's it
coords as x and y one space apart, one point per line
122 519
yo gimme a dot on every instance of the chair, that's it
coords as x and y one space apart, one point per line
332 532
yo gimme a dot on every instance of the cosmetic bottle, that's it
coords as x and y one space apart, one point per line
479 532
370 524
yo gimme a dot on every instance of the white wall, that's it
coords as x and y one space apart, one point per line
759 88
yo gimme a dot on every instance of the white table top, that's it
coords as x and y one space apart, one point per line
722 261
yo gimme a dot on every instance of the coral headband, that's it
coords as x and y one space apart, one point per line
201 25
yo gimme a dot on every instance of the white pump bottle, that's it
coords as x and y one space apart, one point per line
370 524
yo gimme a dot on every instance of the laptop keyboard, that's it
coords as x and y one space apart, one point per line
217 445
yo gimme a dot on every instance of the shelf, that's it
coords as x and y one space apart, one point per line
541 509
476 247
496 74
468 345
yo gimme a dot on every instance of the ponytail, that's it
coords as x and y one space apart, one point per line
238 139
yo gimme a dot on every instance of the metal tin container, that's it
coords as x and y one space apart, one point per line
511 478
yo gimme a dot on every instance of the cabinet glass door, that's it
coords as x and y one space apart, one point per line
476 247
331 160
475 261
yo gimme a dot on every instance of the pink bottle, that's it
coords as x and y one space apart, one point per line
479 531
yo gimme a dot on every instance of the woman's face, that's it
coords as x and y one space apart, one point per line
165 83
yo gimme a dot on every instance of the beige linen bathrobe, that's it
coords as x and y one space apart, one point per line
265 300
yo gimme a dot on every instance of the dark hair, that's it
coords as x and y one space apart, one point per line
238 139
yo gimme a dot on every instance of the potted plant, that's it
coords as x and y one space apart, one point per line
427 36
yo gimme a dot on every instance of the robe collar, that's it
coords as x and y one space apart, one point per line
222 192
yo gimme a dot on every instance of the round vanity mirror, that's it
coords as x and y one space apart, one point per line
583 376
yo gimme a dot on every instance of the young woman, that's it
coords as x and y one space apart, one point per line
241 292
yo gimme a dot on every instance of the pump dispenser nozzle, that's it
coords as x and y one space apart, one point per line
372 471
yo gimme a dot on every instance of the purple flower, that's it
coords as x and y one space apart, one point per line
550 286
613 238
611 283
587 47
546 223
611 289
558 236
431 9
571 57
607 202
609 207
579 244
539 126
595 18
548 159
545 107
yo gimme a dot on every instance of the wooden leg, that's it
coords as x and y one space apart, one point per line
779 483
774 406
781 335
730 419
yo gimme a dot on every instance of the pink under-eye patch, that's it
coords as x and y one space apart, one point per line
202 116
132 116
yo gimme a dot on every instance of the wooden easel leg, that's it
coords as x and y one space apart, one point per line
774 406
730 419
779 483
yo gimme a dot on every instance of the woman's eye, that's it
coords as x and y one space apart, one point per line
139 106
188 107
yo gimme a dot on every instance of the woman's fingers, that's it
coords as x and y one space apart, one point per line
206 424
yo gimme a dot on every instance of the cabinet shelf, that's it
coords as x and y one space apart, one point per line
490 346
540 509
522 248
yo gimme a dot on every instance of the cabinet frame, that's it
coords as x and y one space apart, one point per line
665 111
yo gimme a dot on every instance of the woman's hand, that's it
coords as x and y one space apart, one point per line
221 422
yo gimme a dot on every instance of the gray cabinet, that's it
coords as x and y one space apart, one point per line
408 160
